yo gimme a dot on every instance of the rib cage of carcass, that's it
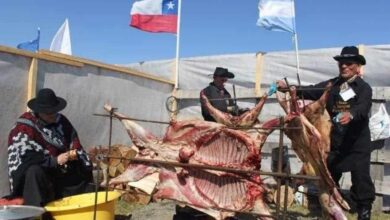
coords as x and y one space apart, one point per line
217 193
312 144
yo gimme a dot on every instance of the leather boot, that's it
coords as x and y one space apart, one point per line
364 213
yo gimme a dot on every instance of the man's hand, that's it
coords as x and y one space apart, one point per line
72 154
345 118
281 84
63 158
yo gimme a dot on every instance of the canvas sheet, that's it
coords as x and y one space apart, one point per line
87 89
13 96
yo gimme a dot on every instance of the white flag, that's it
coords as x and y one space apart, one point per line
277 15
61 40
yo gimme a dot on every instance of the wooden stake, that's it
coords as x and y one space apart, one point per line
32 79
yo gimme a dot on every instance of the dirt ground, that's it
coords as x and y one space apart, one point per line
165 210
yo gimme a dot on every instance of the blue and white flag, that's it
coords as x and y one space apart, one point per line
32 45
277 15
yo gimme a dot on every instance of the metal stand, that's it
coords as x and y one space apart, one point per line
107 160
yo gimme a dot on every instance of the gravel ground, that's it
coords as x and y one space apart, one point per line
165 210
155 211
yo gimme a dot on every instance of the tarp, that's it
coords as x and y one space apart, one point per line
13 90
87 88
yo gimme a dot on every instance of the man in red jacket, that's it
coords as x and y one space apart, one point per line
45 158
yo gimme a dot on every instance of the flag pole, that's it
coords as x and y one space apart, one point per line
296 52
39 37
295 39
177 45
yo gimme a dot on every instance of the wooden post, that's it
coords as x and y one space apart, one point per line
377 163
32 79
377 173
258 73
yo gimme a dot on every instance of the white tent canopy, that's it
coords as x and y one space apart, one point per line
87 87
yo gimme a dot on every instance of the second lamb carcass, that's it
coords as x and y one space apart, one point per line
205 143
312 144
247 121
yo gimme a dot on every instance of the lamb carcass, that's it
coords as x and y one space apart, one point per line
247 121
312 144
206 143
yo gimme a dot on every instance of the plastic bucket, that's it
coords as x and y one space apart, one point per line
82 206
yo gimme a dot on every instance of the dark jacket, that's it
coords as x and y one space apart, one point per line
219 98
34 142
350 143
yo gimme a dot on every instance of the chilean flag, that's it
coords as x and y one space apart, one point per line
155 15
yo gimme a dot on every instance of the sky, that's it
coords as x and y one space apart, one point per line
100 28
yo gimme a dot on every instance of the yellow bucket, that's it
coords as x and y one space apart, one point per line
82 206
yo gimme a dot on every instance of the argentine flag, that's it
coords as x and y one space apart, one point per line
277 15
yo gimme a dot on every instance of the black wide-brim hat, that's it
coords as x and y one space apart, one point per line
223 72
350 53
46 102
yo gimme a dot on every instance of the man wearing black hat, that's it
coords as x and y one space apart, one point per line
45 158
349 105
219 97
